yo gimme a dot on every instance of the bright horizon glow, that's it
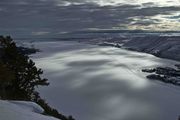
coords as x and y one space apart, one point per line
160 3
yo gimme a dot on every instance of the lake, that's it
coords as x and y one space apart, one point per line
91 82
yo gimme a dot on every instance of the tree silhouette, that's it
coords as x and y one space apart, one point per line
6 77
19 76
27 75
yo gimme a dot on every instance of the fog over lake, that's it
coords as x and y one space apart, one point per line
104 83
93 82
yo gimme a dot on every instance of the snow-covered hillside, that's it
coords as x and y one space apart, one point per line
21 110
166 47
161 46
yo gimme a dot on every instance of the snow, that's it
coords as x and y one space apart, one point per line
21 110
93 82
162 46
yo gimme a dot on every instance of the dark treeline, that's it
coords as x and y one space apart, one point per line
19 76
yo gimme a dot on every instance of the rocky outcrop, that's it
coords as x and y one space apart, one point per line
165 74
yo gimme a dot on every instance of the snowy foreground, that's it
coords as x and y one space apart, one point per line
93 82
21 110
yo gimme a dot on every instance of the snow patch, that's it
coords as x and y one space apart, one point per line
21 110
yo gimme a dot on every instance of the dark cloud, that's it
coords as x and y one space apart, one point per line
55 16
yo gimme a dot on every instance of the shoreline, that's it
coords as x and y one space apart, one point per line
167 47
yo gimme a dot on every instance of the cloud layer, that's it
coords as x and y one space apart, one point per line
25 17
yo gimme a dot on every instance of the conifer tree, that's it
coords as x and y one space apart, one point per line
27 75
6 77
19 76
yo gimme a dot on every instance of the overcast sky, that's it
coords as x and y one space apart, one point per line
53 17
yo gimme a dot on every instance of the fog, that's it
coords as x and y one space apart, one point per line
104 83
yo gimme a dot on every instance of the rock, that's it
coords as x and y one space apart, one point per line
155 77
164 74
148 70
178 66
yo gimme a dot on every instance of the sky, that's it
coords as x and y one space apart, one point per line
56 17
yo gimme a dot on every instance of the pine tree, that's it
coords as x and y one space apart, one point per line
6 77
19 76
27 75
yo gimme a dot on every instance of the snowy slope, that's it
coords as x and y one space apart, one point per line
21 110
162 46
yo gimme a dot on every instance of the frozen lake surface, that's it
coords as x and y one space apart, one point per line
104 83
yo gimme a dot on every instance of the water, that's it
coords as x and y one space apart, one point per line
104 83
